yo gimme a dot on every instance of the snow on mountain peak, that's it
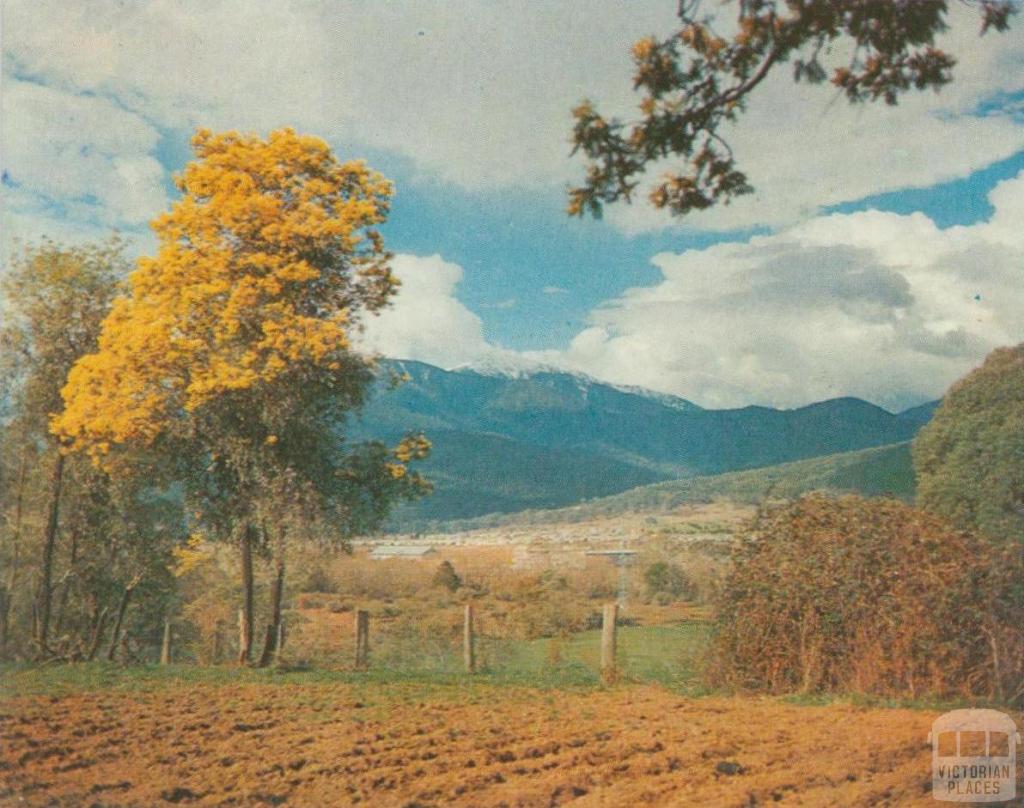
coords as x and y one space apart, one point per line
518 367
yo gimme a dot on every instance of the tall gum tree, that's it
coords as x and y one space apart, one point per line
232 352
54 301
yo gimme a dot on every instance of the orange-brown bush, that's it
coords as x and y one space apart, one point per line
869 596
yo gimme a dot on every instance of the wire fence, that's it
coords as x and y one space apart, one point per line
472 640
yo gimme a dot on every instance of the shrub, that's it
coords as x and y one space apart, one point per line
663 578
318 579
307 600
446 577
869 596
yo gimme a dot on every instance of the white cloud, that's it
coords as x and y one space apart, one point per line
805 148
885 307
478 94
426 321
75 166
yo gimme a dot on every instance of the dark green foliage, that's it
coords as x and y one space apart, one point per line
663 578
884 470
318 579
970 458
446 577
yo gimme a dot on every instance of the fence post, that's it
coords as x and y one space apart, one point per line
362 639
165 649
608 619
469 641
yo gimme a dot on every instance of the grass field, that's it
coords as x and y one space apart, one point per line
665 655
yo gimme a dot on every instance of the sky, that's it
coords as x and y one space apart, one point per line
880 257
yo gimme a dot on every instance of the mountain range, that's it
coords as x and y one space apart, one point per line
505 442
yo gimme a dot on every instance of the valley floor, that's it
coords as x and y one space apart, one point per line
306 742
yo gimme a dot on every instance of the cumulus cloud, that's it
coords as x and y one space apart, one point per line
478 94
886 307
426 321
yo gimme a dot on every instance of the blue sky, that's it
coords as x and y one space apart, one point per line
876 258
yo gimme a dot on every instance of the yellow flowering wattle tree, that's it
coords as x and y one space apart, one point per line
232 352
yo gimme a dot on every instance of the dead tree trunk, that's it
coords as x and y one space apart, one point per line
119 621
247 622
44 595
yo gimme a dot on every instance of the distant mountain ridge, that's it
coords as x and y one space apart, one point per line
882 470
544 438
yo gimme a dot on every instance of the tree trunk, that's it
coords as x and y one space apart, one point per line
12 575
116 636
5 609
66 586
276 596
215 650
49 544
97 634
246 637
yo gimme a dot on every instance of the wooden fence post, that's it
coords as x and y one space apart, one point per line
165 649
362 639
469 641
611 612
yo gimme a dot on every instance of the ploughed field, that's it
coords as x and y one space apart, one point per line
315 743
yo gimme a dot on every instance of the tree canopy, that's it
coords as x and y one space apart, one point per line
696 81
969 459
265 266
235 338
232 353
55 299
